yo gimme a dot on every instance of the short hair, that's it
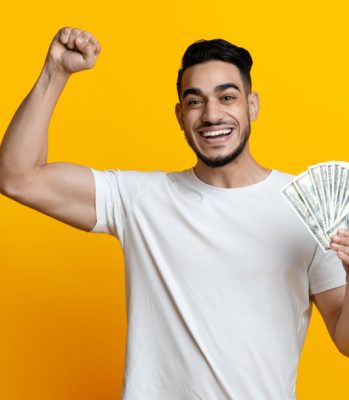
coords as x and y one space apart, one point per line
217 49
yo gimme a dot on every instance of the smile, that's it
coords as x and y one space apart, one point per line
216 133
216 136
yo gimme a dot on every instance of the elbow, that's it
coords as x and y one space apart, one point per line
340 339
7 186
344 350
16 186
2 183
344 353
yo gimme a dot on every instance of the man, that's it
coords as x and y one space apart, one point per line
220 274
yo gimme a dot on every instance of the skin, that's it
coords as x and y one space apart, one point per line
340 244
333 304
62 190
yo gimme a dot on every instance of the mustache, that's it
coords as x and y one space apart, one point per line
211 124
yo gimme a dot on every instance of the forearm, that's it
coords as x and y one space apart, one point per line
342 326
24 146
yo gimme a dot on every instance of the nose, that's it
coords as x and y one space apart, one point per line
211 112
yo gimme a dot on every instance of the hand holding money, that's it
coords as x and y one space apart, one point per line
320 197
340 244
72 50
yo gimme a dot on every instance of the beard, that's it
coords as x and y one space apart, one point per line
220 161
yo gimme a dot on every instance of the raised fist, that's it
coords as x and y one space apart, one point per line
73 50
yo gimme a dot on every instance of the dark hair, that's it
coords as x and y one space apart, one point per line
217 49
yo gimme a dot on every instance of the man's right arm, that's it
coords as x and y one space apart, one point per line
63 191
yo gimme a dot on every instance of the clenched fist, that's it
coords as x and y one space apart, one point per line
72 50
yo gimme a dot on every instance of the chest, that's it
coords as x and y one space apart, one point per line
250 236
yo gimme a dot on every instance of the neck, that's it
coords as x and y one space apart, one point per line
243 171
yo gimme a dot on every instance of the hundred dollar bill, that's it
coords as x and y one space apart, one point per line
330 183
341 190
324 183
314 172
304 186
342 223
333 172
294 198
338 174
343 185
343 207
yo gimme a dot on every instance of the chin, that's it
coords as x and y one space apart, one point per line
221 161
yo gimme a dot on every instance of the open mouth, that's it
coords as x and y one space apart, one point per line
217 133
216 136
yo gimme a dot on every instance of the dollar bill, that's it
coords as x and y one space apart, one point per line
342 190
315 175
342 223
320 197
291 194
330 183
343 206
304 185
337 184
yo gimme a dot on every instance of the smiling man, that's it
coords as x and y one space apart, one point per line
215 110
215 113
221 276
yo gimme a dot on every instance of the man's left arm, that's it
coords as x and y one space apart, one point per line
333 304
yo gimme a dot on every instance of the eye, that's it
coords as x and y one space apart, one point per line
228 97
194 102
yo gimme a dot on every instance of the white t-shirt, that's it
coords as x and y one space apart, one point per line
217 284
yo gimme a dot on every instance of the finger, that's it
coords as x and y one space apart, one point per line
89 39
344 240
344 257
89 49
64 35
97 45
343 232
89 54
82 40
340 248
72 37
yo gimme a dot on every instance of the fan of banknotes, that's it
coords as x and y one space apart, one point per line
320 197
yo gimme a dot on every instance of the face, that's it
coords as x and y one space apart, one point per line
215 112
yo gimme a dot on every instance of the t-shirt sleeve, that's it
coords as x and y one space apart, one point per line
109 203
325 271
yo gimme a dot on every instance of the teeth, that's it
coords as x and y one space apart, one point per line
216 133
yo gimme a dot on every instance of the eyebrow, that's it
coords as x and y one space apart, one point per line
219 88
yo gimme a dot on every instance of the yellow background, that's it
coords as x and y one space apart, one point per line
63 320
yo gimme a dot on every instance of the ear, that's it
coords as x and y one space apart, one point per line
253 105
179 115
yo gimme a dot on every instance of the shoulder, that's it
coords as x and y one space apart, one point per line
283 176
135 181
282 179
141 177
129 182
